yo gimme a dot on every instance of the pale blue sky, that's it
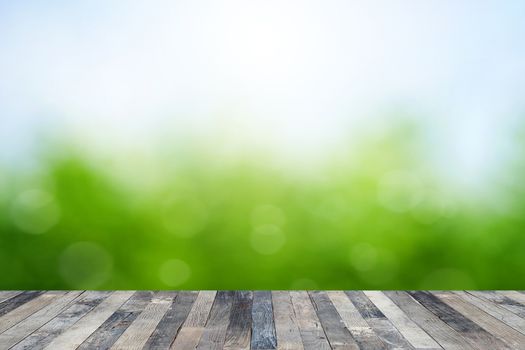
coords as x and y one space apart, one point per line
295 75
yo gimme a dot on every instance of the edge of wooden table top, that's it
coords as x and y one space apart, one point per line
242 319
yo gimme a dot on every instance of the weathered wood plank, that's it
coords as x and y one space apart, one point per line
310 328
514 295
137 334
496 311
214 333
338 335
112 328
382 326
479 337
354 322
19 331
492 325
286 328
8 294
58 325
447 337
12 303
263 328
192 329
501 300
78 332
167 329
22 312
411 331
238 333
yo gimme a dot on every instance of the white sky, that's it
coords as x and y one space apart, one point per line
292 76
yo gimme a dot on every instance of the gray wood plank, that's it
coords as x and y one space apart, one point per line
447 337
286 328
382 326
24 328
192 329
263 327
214 333
338 335
479 337
167 329
411 331
312 332
355 323
492 325
58 325
12 303
501 300
82 329
8 294
496 311
25 310
238 334
112 328
138 333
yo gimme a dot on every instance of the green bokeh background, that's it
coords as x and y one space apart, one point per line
373 216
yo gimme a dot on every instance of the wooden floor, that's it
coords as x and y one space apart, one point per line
262 320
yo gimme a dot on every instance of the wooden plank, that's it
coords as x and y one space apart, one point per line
22 312
381 326
310 328
411 331
107 334
286 328
18 332
44 335
514 295
338 335
12 303
263 327
167 329
8 294
492 325
496 311
192 329
501 300
238 334
214 333
78 332
355 323
447 337
479 337
137 334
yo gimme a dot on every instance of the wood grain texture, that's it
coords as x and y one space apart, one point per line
108 332
58 325
78 332
492 325
312 332
8 294
263 327
410 330
192 329
464 326
369 320
338 335
138 333
167 329
382 326
214 333
354 322
238 333
27 309
18 332
447 337
286 328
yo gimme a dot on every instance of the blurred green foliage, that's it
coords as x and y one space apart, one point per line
371 218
